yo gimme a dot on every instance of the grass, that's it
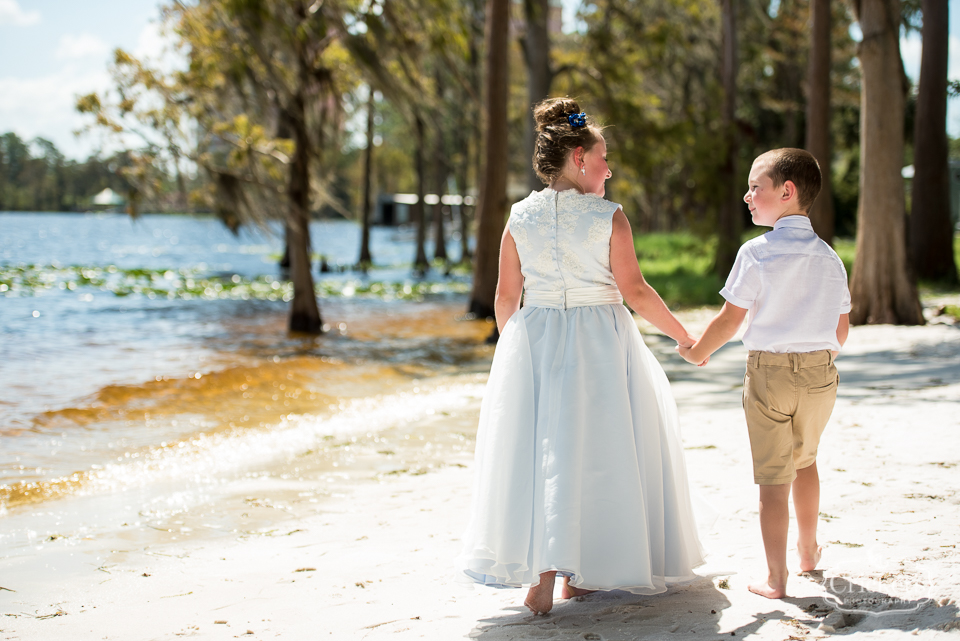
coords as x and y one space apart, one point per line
679 266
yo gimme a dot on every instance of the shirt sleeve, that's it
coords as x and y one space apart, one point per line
845 305
743 283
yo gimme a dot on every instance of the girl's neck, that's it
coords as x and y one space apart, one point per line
562 183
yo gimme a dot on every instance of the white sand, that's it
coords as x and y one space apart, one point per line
375 561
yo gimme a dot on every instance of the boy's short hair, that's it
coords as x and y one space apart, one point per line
797 166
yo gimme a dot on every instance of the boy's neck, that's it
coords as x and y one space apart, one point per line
792 212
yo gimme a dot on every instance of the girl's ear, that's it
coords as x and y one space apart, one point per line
578 157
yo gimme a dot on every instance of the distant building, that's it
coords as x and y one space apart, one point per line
394 209
108 199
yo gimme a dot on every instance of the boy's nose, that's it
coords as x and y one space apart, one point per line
746 198
609 174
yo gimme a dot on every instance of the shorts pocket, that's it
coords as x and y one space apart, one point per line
824 388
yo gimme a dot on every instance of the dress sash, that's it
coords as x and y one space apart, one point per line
574 297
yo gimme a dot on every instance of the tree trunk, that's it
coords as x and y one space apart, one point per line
304 311
473 162
729 216
420 263
536 53
463 142
883 288
930 227
818 116
365 259
439 237
440 173
492 207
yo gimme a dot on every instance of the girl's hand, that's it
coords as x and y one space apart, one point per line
687 342
685 354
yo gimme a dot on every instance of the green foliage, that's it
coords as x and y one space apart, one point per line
845 248
35 176
952 310
648 70
953 145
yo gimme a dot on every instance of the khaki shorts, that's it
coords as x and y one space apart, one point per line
787 399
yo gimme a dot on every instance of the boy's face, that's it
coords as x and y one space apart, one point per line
766 202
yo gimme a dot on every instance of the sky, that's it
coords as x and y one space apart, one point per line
52 51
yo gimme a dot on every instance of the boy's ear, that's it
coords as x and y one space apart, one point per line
789 190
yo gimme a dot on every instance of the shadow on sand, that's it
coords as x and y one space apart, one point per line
694 610
855 607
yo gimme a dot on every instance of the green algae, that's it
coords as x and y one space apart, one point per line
186 284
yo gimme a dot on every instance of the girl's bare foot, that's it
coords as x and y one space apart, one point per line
768 589
540 597
569 591
809 558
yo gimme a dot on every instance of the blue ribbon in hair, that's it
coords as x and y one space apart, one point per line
577 120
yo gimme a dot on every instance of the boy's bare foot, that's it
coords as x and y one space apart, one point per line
765 589
540 597
809 558
569 591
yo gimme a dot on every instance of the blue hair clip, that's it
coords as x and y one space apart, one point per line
577 120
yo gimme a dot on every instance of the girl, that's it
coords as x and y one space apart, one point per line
579 465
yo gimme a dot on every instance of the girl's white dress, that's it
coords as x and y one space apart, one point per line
579 463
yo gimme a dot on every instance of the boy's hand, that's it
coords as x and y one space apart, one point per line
685 354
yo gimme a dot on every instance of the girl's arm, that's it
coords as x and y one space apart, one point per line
510 282
641 298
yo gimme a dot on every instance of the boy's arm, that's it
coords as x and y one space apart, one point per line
843 328
721 329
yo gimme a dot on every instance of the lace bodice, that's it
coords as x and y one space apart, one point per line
563 239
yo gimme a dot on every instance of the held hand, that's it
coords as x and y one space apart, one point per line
687 342
685 354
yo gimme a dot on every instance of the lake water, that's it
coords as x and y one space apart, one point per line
126 357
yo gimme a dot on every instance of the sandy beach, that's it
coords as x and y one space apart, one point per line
360 542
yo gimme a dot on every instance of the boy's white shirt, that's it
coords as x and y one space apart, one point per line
793 286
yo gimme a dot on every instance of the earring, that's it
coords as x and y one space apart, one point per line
583 170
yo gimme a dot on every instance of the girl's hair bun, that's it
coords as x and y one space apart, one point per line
560 130
554 111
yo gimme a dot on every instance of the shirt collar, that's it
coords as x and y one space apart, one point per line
797 221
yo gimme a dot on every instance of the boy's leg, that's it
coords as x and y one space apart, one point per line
818 395
806 503
774 523
769 395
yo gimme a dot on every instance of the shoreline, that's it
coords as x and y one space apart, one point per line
373 557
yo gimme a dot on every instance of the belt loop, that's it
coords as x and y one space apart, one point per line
796 362
755 359
830 357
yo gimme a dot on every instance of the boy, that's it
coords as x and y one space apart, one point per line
792 287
